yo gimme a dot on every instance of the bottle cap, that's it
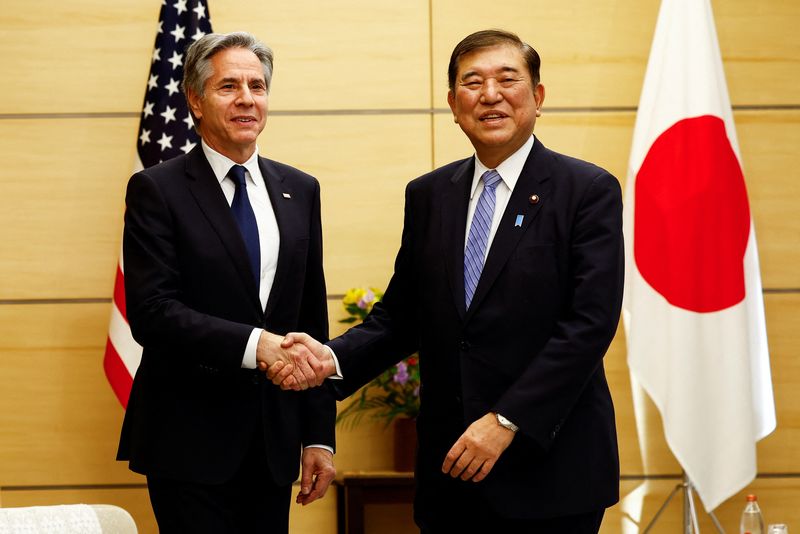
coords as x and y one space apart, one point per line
752 498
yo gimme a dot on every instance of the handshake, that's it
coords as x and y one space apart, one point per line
294 362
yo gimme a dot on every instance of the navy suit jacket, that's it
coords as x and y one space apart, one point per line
530 346
192 303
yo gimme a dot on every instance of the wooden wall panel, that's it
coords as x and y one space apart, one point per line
76 57
363 164
339 55
59 421
61 205
594 54
328 55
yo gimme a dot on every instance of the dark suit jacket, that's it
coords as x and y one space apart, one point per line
530 346
192 303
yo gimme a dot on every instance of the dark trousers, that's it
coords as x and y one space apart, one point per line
444 505
249 503
588 523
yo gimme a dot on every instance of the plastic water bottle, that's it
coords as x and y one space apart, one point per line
752 520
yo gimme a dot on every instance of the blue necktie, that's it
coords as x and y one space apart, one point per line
243 213
479 234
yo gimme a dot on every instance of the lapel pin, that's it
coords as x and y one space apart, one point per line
518 222
534 199
287 195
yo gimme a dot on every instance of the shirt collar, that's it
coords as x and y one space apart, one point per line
221 165
509 169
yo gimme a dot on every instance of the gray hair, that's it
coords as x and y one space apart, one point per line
197 66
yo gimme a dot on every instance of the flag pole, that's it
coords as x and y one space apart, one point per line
690 524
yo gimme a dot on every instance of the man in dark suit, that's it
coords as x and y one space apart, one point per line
223 251
509 284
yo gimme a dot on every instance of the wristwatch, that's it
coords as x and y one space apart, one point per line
505 423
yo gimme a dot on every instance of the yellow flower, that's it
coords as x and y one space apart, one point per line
353 295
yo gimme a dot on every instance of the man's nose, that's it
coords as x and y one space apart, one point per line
490 91
245 97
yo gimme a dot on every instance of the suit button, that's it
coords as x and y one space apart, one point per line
464 345
256 378
458 399
553 435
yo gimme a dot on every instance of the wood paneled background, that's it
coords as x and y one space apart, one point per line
358 101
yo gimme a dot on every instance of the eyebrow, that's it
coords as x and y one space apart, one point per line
223 81
504 68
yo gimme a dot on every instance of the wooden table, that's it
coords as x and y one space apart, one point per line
356 489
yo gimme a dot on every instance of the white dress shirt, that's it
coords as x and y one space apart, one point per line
509 171
268 235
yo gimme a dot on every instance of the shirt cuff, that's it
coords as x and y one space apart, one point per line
338 375
318 446
249 357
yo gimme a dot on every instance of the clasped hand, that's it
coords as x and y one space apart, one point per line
295 362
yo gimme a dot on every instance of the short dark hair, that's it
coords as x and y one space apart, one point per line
485 39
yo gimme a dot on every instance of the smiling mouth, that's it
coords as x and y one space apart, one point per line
492 117
244 120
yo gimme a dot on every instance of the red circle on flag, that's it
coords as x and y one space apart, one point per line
691 217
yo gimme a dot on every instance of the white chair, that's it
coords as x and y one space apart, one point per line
67 519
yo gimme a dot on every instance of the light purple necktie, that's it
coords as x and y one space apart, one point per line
479 234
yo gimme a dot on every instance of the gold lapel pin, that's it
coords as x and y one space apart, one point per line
534 199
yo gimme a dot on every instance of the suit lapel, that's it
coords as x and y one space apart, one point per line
207 192
276 187
533 180
455 202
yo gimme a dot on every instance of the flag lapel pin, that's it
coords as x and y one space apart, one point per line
287 195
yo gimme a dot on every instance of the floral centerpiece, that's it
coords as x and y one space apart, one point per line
395 392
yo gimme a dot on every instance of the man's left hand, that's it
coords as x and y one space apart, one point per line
474 454
318 473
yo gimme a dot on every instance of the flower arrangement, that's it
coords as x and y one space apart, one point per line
395 392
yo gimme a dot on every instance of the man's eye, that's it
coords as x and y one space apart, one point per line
472 84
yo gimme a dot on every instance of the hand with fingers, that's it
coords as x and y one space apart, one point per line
283 375
297 363
476 452
318 473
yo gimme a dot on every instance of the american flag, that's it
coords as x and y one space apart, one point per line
165 131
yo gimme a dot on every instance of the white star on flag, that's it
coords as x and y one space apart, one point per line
168 114
145 137
173 86
153 81
198 34
180 5
187 146
177 33
200 10
148 109
176 60
165 141
156 54
188 120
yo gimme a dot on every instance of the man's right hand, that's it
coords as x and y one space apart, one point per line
281 373
298 365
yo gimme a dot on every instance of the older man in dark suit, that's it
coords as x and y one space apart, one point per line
223 251
509 284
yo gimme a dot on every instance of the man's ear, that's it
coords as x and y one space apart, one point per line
194 103
538 96
451 101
